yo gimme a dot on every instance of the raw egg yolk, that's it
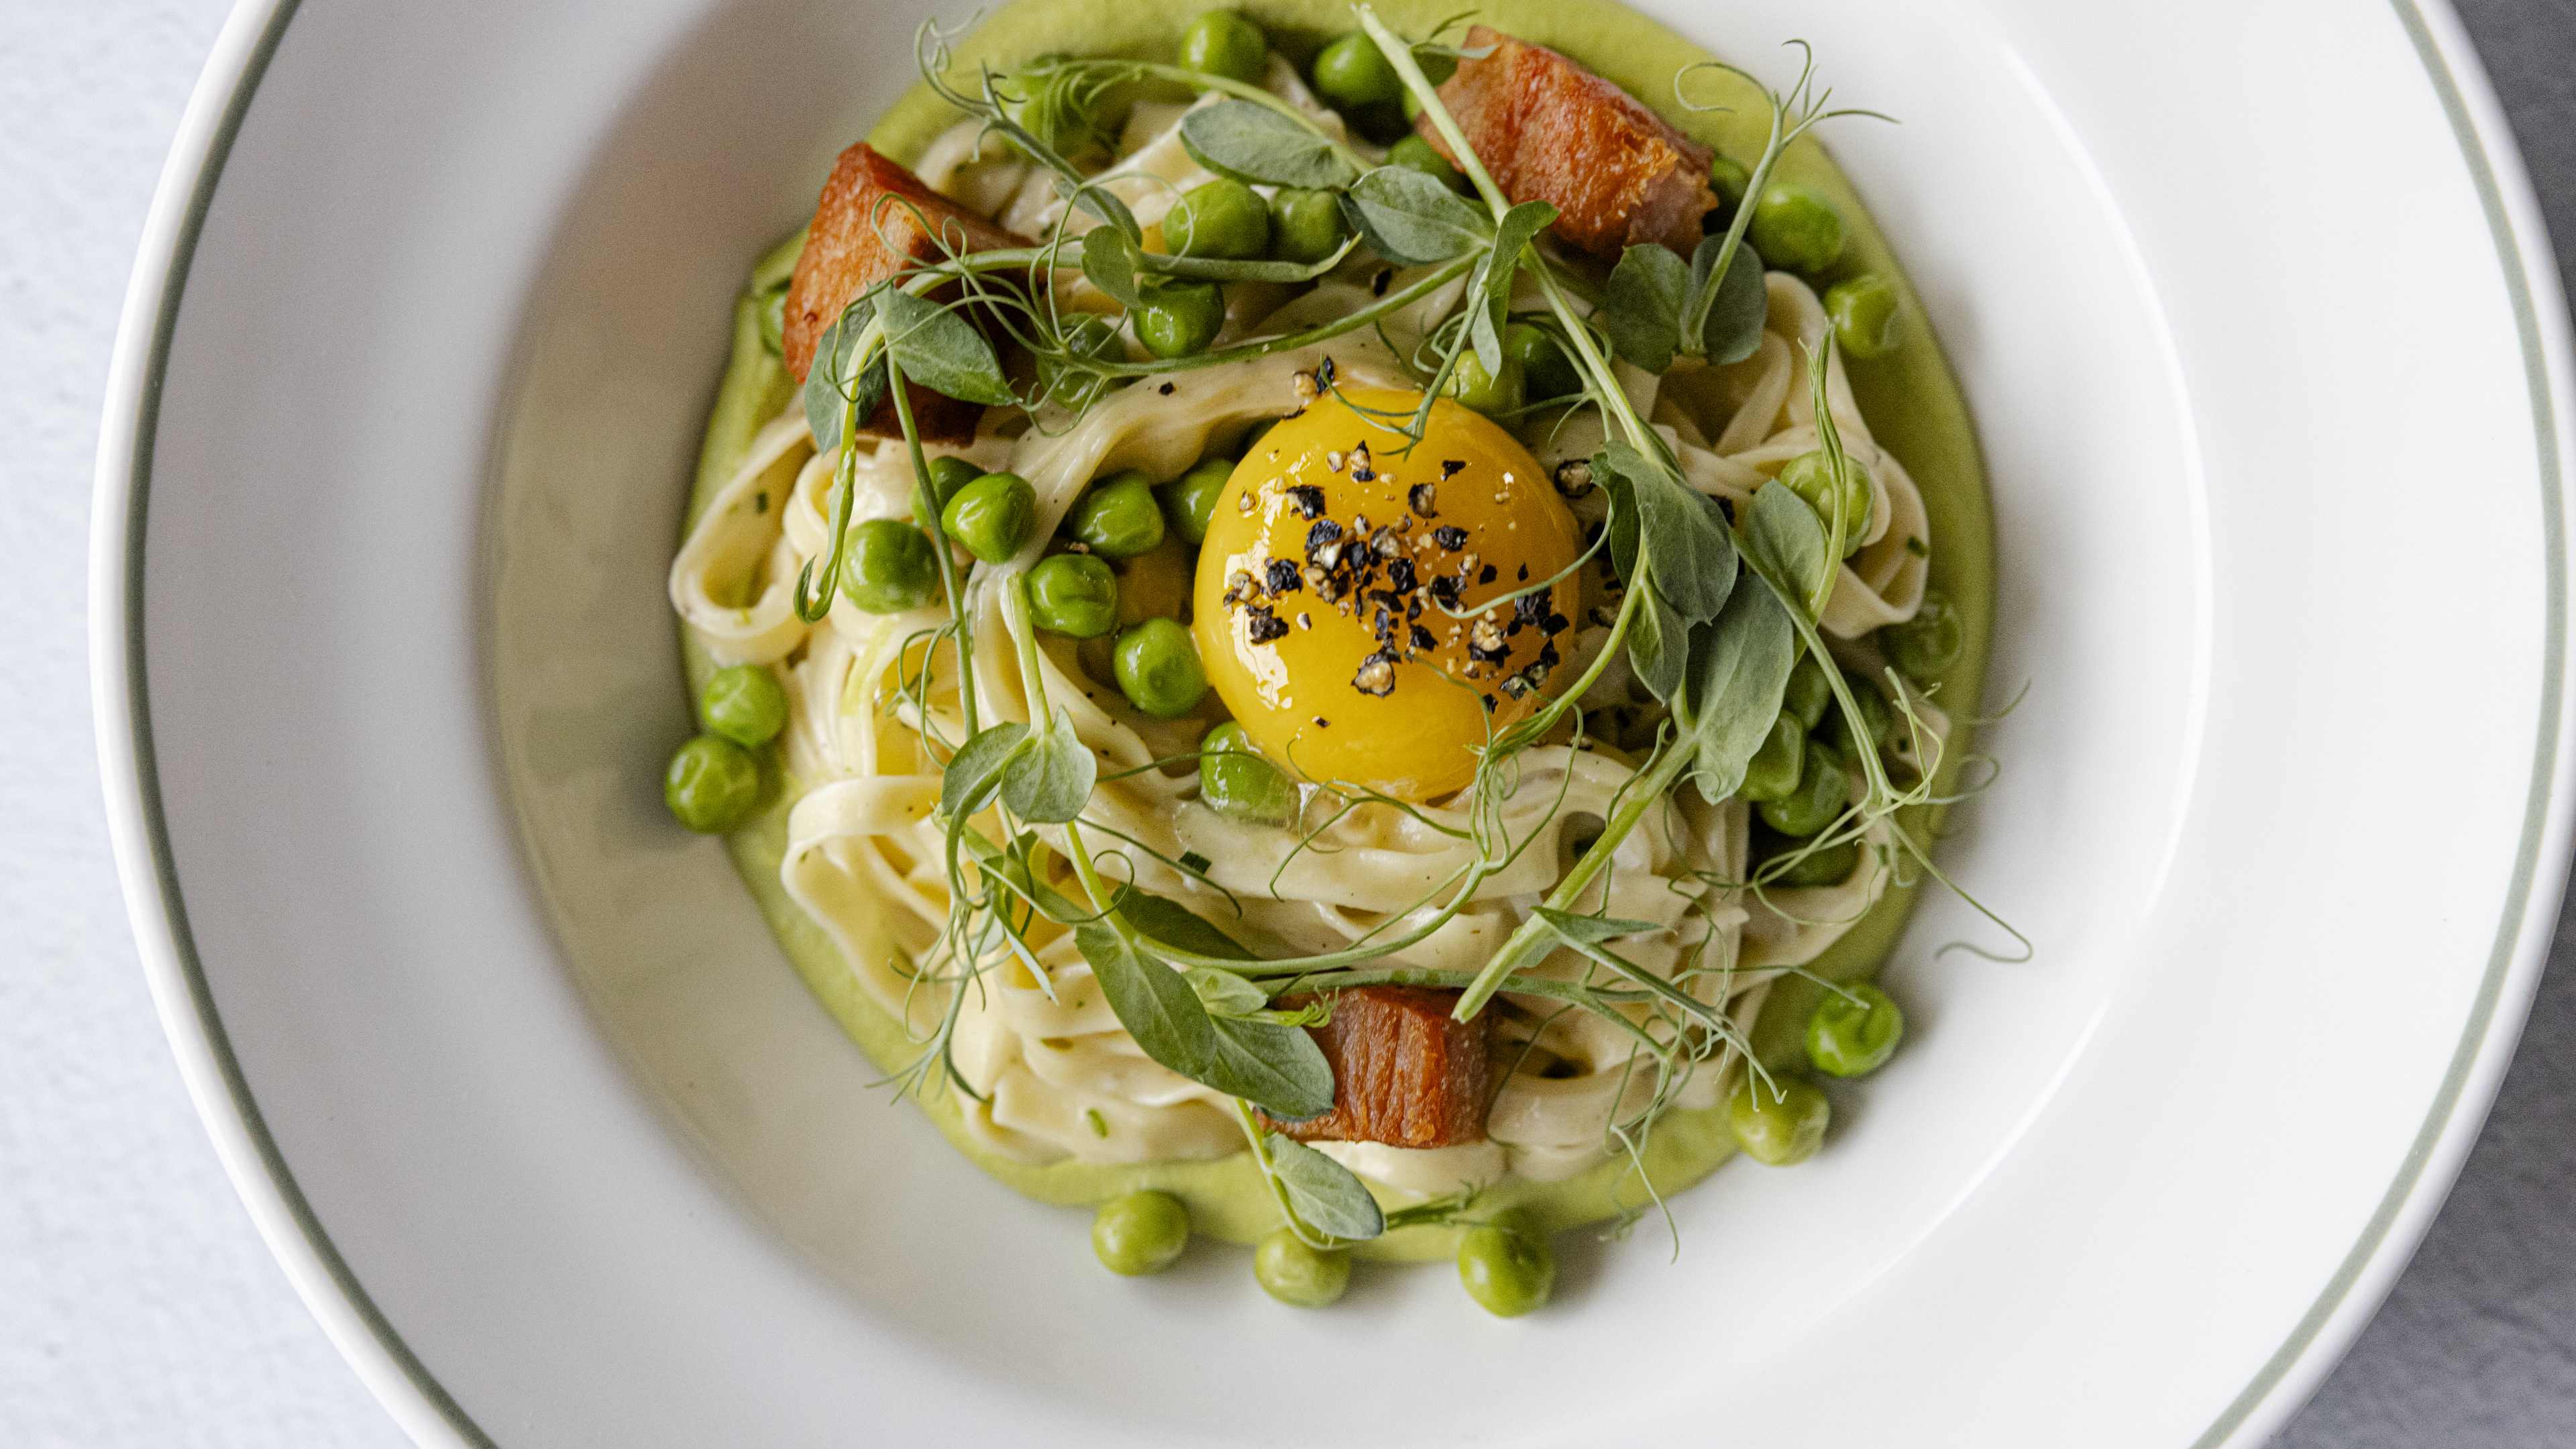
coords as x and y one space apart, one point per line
1333 564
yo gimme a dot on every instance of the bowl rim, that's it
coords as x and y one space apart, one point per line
375 1348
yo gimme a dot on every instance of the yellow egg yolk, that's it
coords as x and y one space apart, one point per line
1332 564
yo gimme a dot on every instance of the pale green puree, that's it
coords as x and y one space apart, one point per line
1913 405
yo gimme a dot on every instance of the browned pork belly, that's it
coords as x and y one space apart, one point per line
1551 131
875 219
1403 1072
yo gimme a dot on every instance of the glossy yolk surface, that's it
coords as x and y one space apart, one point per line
1320 592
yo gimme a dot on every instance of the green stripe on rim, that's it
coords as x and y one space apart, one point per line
139 707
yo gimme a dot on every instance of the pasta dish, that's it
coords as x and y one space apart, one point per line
1306 630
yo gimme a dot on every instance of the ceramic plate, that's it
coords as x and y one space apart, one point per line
2254 311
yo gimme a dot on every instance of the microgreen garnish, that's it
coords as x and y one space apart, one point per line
1255 143
1794 113
1712 616
1322 1194
1654 298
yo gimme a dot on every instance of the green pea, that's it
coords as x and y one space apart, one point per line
1772 773
1546 372
1505 1270
1781 1123
1118 518
1073 594
1140 1233
1223 43
1235 780
1823 790
1809 693
1728 178
1179 319
1351 72
1811 476
1881 717
1158 669
947 476
1297 1275
712 784
744 703
1224 219
1865 316
1189 501
1924 647
1306 226
1415 154
1057 109
1854 1031
1486 392
1795 228
1086 335
992 516
890 567
1830 866
772 309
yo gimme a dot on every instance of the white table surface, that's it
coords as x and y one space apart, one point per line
138 1307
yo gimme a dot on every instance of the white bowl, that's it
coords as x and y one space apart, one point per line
2254 309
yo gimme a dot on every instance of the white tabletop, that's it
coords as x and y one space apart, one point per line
137 1307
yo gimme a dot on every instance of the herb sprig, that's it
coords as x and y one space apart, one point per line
1713 610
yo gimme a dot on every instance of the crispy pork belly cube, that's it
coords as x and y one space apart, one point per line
1551 131
1403 1072
868 226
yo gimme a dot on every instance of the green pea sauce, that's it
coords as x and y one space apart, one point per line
1913 405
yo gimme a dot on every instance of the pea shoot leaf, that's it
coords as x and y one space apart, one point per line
1785 538
1110 260
1641 305
1225 994
1624 549
1412 219
1050 781
1280 1067
1253 143
1520 227
1160 918
941 350
1659 646
974 773
1591 930
1691 558
1153 1001
1739 668
1653 298
1484 333
1324 1195
1734 314
1489 286
829 390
